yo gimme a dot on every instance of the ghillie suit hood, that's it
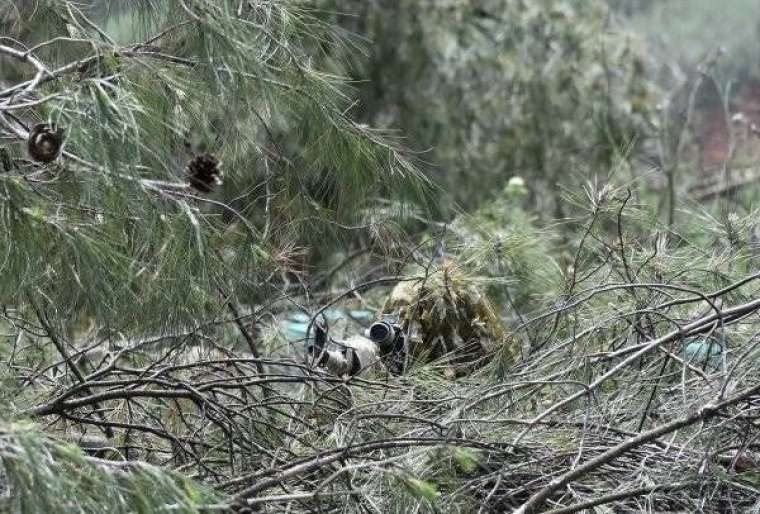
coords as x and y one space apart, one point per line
449 320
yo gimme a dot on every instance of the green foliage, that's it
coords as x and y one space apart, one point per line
420 489
465 459
112 230
503 240
39 474
540 89
133 302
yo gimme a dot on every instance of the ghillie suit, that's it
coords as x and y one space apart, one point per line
442 318
448 320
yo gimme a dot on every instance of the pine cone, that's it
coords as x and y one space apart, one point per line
45 142
203 172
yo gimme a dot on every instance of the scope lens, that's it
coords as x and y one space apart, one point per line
380 332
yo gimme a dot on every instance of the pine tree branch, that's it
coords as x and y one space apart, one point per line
42 317
706 412
724 316
622 495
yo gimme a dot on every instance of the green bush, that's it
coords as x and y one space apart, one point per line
541 89
39 474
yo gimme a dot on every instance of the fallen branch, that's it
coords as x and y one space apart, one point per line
703 414
703 324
